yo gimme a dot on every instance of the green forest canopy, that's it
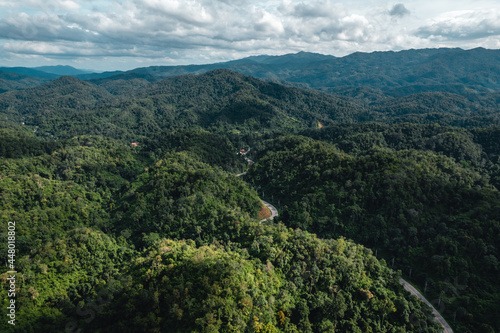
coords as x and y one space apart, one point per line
162 234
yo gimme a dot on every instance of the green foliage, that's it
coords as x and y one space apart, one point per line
211 148
10 80
412 205
129 216
59 272
178 287
364 75
69 107
74 186
335 283
16 144
82 209
181 197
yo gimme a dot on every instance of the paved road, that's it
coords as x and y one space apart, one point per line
438 317
406 285
274 211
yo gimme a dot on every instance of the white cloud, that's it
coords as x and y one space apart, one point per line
356 28
44 48
268 23
322 8
463 25
42 4
47 27
213 30
191 12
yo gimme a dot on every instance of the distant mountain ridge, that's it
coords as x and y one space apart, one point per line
15 81
18 78
395 74
444 82
63 70
301 57
48 72
29 72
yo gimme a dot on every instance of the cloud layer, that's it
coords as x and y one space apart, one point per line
195 31
463 25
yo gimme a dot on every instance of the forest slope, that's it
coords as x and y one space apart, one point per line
411 204
67 106
113 239
218 100
142 172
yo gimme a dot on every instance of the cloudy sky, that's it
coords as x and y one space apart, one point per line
125 34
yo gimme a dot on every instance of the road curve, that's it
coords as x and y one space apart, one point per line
274 211
406 285
437 315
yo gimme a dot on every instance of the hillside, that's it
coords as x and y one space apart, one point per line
19 78
30 72
463 79
173 243
423 210
53 107
15 81
209 100
220 99
375 80
130 215
394 73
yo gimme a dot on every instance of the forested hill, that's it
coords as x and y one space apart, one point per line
133 109
368 78
114 238
16 81
68 106
130 217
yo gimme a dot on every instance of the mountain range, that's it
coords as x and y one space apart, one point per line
132 184
14 78
364 77
416 70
